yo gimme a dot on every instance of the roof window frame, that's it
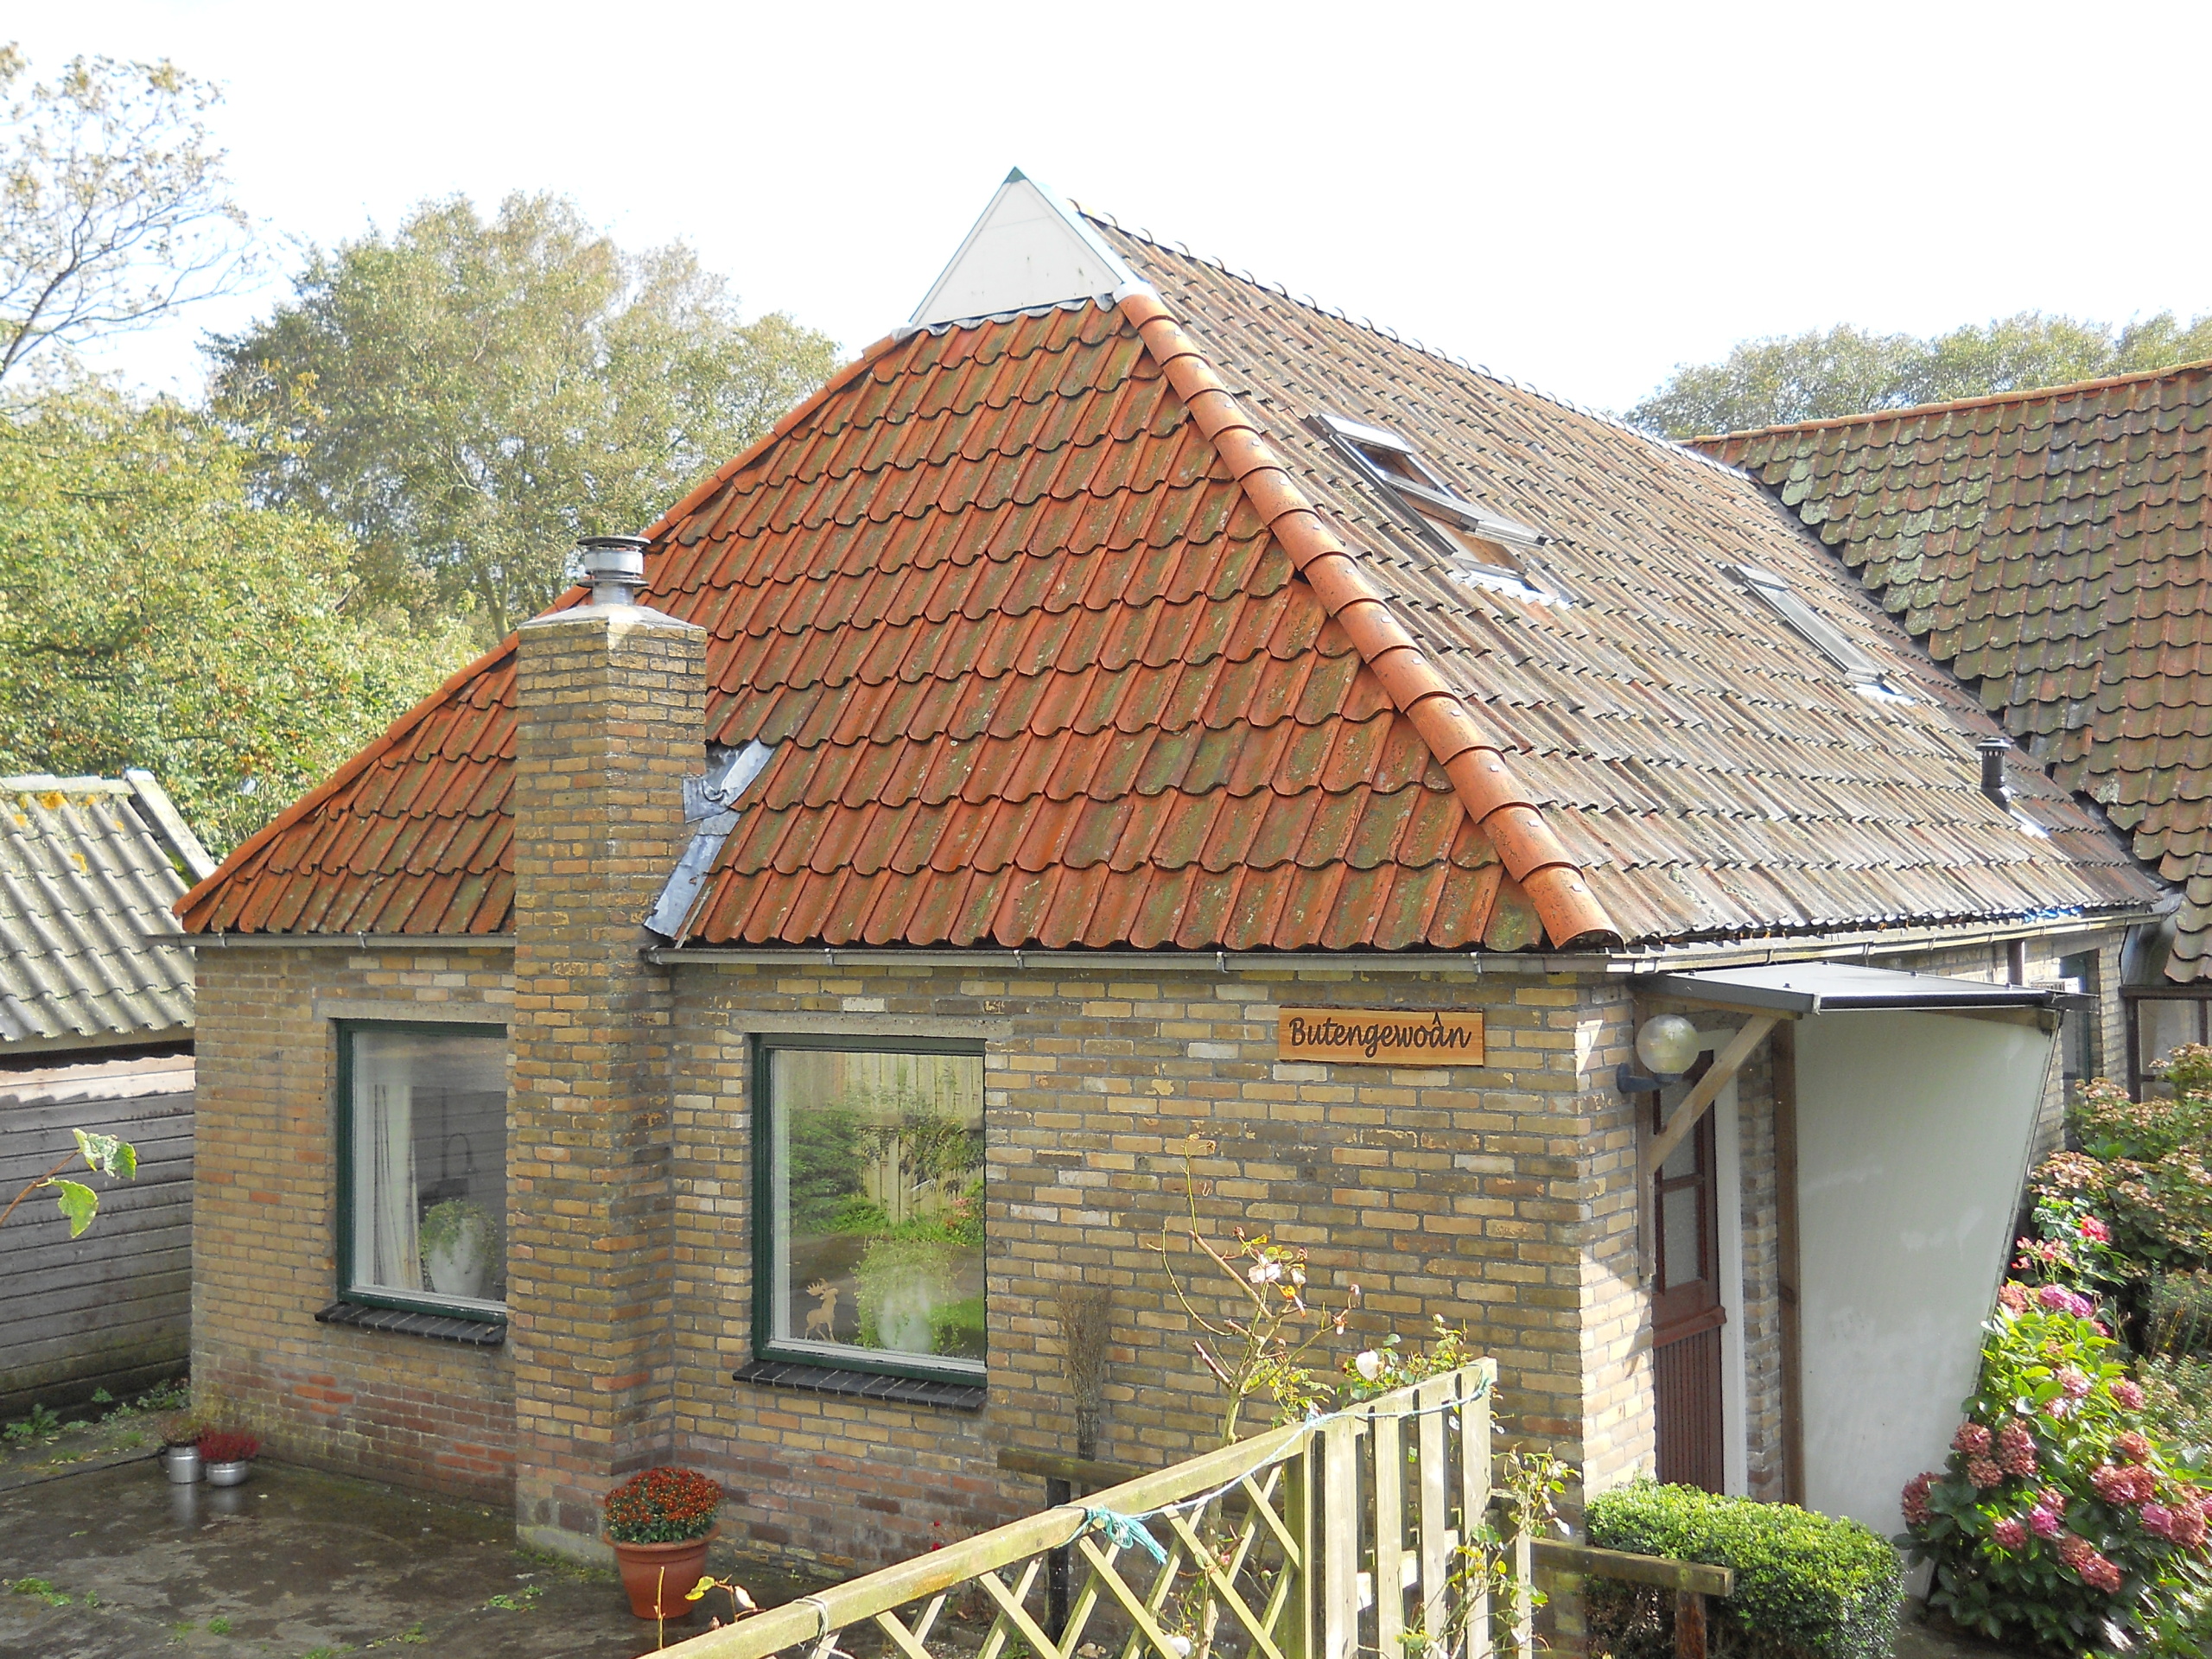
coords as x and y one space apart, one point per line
1860 669
1432 497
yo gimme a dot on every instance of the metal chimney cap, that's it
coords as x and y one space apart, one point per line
1992 751
615 567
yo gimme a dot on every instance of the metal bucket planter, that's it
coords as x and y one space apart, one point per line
232 1474
181 1464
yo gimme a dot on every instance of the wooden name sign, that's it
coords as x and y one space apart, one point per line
1379 1036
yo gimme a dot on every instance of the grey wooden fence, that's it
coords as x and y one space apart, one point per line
113 1308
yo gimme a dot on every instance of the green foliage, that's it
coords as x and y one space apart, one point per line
77 1201
219 1624
2141 1166
466 396
446 1222
2058 1516
2177 1406
115 211
1808 1586
152 615
2180 1314
40 1423
39 1587
103 1154
1844 370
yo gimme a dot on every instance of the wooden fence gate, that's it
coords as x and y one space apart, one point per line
1355 1535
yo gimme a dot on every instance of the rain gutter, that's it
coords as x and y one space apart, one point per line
1675 959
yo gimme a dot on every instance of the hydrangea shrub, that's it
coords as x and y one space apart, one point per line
2056 1518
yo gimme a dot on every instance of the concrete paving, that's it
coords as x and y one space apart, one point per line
116 1563
298 1566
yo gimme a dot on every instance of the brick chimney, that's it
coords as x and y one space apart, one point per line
612 700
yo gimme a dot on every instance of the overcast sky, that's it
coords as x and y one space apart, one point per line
1578 196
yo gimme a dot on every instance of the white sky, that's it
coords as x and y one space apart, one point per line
1580 196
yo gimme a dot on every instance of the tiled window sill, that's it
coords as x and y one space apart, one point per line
864 1385
439 1327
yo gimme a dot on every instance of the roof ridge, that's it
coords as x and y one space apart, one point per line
349 769
1368 325
2018 394
1480 777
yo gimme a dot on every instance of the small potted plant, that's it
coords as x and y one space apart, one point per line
456 1239
660 1524
181 1432
227 1456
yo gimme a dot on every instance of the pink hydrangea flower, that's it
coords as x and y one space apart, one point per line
1972 1438
2158 1521
2132 1446
2013 1295
2122 1484
2052 1499
2015 1449
2095 1230
1984 1474
1915 1501
2101 1575
2075 1382
2128 1394
2044 1523
2074 1549
2010 1533
2188 1527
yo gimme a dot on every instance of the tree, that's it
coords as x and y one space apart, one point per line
467 397
114 210
151 614
1844 370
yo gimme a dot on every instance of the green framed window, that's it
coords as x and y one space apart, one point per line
868 1205
422 1167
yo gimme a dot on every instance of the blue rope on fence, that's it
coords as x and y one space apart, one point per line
1125 1531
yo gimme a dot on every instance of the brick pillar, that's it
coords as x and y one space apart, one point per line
612 699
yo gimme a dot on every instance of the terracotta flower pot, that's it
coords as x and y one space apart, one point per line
657 1575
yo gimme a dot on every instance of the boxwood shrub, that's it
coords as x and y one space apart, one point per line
1808 1586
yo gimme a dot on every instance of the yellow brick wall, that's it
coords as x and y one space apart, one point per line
428 1413
1467 1192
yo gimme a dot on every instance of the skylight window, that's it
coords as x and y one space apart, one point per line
1863 673
1479 543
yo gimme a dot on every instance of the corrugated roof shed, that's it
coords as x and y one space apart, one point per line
90 866
2054 548
1067 630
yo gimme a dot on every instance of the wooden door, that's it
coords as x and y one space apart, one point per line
1687 1312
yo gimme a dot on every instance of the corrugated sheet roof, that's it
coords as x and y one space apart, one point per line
89 867
2054 548
1067 631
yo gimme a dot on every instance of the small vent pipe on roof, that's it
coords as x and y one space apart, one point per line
615 567
1992 751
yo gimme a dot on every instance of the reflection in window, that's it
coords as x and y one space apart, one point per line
876 1198
2162 1025
426 1144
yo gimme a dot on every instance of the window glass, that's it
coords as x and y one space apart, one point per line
427 1147
1681 1258
875 1194
2162 1025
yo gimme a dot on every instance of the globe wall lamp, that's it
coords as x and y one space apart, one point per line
1666 1044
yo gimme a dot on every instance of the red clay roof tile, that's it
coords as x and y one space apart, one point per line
1067 633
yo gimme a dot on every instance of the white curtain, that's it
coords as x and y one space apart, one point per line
386 1252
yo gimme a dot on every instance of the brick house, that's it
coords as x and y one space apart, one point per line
1120 663
2054 550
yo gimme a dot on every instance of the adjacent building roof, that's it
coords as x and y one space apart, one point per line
89 868
1081 626
2054 549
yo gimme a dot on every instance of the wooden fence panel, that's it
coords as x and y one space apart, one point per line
113 1308
1216 1558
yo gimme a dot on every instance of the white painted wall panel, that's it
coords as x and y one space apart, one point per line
1913 1139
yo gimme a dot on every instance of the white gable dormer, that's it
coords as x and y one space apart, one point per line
1028 249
